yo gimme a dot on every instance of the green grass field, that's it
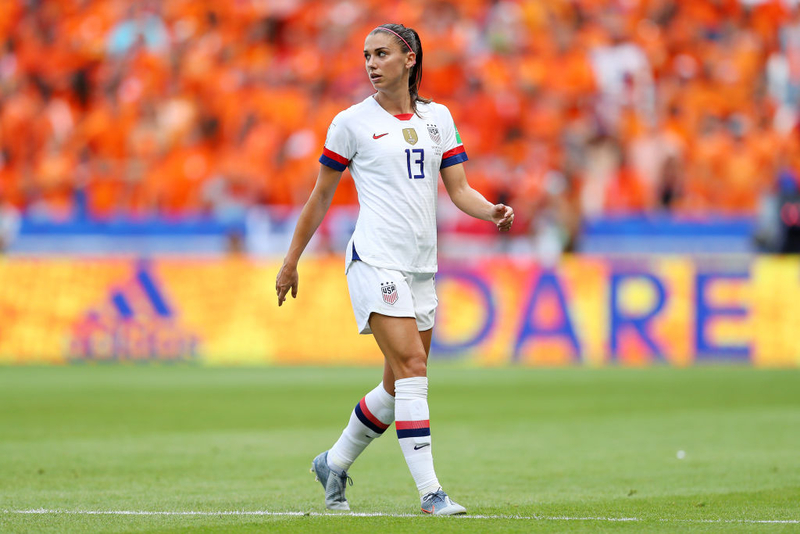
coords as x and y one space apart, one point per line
538 450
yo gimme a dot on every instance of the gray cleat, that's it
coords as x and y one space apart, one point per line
333 483
438 503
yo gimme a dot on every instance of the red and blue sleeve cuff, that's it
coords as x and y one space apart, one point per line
333 160
453 157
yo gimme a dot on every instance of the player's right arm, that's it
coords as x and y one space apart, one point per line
310 218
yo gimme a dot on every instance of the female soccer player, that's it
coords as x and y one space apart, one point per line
395 144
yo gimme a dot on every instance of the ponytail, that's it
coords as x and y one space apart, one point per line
415 76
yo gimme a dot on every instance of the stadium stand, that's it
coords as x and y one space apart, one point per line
570 110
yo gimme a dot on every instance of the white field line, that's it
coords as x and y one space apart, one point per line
42 511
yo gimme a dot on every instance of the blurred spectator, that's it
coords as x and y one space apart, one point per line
783 72
142 26
9 223
624 75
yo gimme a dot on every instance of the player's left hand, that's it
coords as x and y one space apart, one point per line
503 217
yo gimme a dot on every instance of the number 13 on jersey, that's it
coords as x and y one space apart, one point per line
413 153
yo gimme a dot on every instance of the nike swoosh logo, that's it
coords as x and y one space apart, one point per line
418 447
379 136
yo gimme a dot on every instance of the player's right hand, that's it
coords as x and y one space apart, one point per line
287 279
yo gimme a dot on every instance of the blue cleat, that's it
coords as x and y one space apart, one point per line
333 483
438 503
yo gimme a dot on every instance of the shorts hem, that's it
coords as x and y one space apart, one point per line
365 329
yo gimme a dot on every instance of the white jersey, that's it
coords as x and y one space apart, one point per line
395 162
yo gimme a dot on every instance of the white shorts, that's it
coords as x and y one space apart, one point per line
392 293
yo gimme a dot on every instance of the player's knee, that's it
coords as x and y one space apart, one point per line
414 365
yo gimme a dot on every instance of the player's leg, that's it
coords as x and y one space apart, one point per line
369 419
375 411
388 377
406 350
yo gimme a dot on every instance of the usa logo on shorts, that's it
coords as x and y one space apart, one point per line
389 292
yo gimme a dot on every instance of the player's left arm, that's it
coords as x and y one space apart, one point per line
472 202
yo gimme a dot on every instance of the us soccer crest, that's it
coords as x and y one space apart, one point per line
433 131
389 292
410 135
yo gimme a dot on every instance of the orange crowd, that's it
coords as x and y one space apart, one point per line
578 108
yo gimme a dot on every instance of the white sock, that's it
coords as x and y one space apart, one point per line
414 430
370 418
